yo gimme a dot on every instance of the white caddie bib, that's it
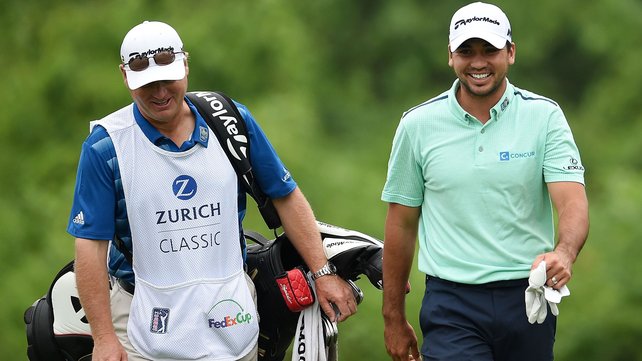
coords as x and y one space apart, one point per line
192 301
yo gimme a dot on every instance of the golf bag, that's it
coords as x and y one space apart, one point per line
353 253
57 329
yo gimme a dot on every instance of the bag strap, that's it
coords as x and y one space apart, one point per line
226 122
122 248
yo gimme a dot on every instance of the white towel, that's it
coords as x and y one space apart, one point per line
309 342
537 295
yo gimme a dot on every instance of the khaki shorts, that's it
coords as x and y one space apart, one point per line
121 302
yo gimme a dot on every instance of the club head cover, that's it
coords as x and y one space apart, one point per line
295 289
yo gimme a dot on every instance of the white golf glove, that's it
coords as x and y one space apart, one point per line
537 295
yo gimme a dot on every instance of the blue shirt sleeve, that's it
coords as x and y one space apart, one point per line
93 208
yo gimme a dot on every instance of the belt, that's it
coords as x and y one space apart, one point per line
128 287
523 282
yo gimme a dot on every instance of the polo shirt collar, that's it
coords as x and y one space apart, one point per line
497 110
199 136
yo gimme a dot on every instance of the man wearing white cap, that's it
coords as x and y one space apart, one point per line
153 176
474 173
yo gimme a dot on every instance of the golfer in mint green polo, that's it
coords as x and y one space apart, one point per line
474 174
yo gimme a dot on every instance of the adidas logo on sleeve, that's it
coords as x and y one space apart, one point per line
79 218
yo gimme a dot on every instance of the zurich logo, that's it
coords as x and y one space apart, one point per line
184 187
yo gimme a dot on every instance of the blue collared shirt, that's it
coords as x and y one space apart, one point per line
199 136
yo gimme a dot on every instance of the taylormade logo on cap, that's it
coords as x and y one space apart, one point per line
145 40
468 21
479 20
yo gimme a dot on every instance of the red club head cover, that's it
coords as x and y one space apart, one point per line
295 289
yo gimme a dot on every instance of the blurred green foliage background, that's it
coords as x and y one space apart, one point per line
328 81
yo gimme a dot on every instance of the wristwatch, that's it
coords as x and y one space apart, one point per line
327 269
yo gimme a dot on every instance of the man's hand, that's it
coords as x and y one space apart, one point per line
559 267
301 228
401 341
108 348
334 291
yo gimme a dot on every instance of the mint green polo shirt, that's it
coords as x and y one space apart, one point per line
485 208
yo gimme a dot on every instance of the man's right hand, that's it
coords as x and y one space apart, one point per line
108 348
401 341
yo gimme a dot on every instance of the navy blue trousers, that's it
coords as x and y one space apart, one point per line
482 323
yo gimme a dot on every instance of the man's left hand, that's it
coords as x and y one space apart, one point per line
333 291
559 266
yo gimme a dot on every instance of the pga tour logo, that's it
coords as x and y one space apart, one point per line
184 187
160 316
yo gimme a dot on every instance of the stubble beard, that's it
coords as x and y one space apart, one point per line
480 93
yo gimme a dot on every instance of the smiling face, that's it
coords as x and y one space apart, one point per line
481 69
161 102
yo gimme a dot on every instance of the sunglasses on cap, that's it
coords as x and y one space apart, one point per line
140 63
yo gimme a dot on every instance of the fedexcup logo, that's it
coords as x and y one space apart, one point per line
227 313
184 187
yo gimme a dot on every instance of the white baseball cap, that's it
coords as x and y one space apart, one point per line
145 40
479 20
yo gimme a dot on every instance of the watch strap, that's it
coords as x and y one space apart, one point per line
327 269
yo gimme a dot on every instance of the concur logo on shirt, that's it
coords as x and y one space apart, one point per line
506 156
184 187
227 313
